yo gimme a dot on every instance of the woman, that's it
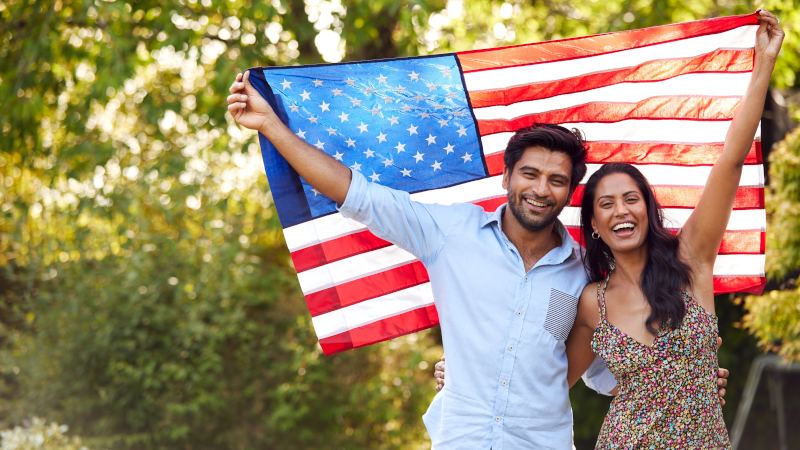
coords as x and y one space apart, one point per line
651 314
650 311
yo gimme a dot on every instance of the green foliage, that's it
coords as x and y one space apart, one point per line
775 317
39 436
146 294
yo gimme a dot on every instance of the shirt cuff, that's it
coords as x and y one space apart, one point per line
599 378
355 195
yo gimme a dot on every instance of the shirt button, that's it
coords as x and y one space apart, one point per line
505 383
519 313
511 347
497 419
526 278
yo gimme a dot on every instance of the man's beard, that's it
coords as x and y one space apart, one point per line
532 221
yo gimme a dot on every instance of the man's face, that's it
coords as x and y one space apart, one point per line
538 187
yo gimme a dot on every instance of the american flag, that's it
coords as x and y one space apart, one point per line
661 98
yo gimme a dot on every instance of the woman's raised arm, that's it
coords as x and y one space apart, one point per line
702 234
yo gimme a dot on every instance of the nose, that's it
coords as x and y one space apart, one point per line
541 187
621 209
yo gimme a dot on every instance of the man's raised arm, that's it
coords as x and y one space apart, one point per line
320 170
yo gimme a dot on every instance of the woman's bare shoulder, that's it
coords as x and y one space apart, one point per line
588 307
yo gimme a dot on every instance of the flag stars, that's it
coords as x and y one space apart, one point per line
313 119
294 108
355 102
411 130
381 79
350 142
356 166
301 134
343 117
381 137
448 149
419 156
325 106
393 120
388 99
369 90
452 95
286 84
362 127
331 131
467 157
424 115
405 108
337 92
400 89
442 123
350 82
400 147
375 177
461 131
375 111
431 139
316 192
419 97
370 153
437 107
338 156
387 162
320 145
306 95
432 87
446 72
406 172
317 83
414 76
458 113
436 165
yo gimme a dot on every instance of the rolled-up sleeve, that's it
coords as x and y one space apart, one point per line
419 228
599 378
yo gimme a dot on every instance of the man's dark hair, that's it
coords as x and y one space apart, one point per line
554 138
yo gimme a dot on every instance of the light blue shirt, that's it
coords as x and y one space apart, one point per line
503 329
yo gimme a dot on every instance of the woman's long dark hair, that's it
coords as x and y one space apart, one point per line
664 274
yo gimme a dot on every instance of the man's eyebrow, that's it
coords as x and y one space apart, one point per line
534 169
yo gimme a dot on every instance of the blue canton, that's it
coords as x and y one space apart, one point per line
402 123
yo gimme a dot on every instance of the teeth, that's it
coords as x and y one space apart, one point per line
622 225
535 203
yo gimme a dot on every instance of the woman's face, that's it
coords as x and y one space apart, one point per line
620 213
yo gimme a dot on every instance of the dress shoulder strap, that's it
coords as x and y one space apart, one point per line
601 297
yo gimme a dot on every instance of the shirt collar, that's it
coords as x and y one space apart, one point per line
567 243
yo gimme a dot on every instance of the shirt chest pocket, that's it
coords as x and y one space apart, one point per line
561 314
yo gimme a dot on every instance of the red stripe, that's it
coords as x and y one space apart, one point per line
646 153
729 61
364 241
654 108
366 288
566 49
336 249
733 242
752 285
382 330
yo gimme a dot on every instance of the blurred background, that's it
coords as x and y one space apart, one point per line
147 299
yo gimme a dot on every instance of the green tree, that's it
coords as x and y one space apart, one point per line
148 299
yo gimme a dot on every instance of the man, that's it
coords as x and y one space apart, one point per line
506 284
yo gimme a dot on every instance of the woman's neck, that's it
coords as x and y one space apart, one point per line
629 265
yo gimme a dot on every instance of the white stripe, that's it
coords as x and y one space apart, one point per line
742 37
695 84
635 130
739 265
675 218
352 268
364 313
333 226
380 260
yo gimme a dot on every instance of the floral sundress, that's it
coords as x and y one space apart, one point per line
667 392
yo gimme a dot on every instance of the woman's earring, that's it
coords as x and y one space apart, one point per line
595 235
